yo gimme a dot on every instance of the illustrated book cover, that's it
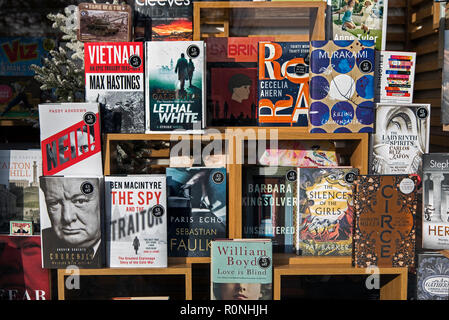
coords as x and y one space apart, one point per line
432 276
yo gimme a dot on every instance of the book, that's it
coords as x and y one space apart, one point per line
196 200
72 222
325 218
20 228
114 79
269 204
19 185
21 274
70 139
283 84
136 221
432 276
175 86
401 138
445 81
342 86
385 212
241 269
357 20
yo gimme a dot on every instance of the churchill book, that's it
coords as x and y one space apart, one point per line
432 276
241 269
114 79
197 210
70 139
136 221
326 211
385 215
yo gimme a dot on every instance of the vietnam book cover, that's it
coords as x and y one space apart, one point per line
326 211
174 86
385 214
400 139
114 79
136 221
360 20
341 86
197 210
241 269
70 139
432 276
269 205
21 274
19 184
72 224
283 84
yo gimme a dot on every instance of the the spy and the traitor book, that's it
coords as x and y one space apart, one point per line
432 276
401 138
241 269
325 219
70 139
385 214
197 210
114 79
72 222
136 221
175 86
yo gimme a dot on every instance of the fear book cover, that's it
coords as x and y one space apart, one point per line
432 276
197 210
385 216
283 84
72 222
342 86
241 269
136 221
326 211
175 86
114 80
70 139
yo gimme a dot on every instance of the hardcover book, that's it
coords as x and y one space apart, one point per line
269 205
136 221
70 139
197 210
325 219
114 79
174 86
71 221
283 86
241 269
19 185
432 276
341 86
401 138
385 213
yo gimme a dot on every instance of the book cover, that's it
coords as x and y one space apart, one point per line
283 86
70 139
20 97
432 276
269 204
20 228
72 222
196 200
241 269
114 79
435 189
19 185
385 212
174 86
136 221
360 20
21 274
325 219
341 86
445 81
400 139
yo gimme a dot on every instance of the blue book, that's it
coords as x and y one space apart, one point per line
432 276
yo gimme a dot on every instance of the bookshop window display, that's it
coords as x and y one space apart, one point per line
215 151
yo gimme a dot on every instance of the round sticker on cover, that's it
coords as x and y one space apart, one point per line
264 262
135 61
365 66
300 69
157 211
422 113
193 51
218 177
350 177
90 118
87 188
407 186
291 175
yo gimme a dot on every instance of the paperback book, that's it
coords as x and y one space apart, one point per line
432 276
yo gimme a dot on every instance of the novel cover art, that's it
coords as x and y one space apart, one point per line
342 86
432 276
326 211
196 200
114 79
401 138
283 86
136 221
174 86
